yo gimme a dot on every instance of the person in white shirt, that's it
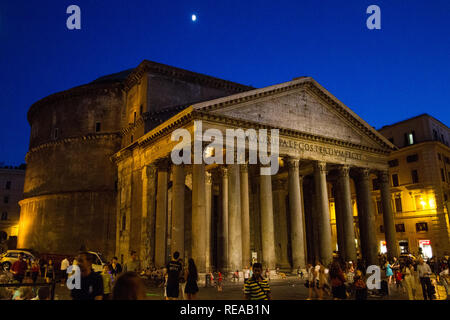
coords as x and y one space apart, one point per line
64 265
424 272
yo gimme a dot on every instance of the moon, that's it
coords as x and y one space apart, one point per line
194 17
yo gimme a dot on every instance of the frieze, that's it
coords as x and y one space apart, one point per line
315 148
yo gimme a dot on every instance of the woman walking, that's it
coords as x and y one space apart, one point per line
191 277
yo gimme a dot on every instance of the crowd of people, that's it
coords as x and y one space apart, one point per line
179 279
349 280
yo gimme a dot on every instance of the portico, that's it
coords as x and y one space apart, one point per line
225 215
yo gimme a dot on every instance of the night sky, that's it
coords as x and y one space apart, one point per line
383 75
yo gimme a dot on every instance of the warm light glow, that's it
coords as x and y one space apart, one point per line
432 203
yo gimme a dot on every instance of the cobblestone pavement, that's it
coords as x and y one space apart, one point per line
283 289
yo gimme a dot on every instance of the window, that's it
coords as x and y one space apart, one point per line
98 126
393 163
55 133
135 118
400 227
435 135
442 175
398 204
421 226
4 216
132 139
395 180
141 109
420 203
375 184
409 138
439 156
447 160
412 158
379 207
8 185
381 229
5 199
414 176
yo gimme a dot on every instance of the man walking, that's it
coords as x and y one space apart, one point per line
173 269
256 287
19 268
424 272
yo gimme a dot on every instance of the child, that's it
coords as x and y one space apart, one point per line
107 280
398 279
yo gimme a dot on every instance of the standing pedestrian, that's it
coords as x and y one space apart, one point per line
19 268
115 268
107 282
64 265
173 270
337 279
35 271
49 273
389 272
134 265
310 283
257 288
191 277
409 280
91 282
424 272
219 282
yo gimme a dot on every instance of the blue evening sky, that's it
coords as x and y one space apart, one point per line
383 75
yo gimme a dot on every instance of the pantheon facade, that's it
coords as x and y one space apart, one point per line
100 174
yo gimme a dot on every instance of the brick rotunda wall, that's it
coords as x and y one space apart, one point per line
69 192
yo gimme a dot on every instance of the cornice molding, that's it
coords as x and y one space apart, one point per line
177 73
89 137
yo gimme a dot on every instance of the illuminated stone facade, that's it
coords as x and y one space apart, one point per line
11 191
420 184
100 174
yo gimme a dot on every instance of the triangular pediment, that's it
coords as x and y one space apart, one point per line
304 108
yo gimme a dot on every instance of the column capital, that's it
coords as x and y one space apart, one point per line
149 172
293 163
363 173
244 167
163 164
344 171
322 166
208 177
223 172
383 175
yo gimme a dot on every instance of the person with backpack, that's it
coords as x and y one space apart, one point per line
337 278
359 286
